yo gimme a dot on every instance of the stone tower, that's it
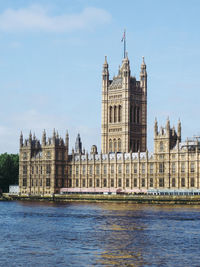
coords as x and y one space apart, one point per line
124 110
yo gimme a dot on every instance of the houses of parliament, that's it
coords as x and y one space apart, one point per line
124 164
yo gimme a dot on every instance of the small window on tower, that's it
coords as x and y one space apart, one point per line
161 146
119 145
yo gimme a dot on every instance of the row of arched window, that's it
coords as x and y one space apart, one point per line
115 145
115 113
135 114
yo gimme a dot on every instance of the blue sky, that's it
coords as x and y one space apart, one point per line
51 61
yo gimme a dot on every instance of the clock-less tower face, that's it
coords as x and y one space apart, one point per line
124 103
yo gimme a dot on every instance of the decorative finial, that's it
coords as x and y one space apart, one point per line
105 59
54 133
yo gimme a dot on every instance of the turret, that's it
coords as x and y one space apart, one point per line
44 138
21 140
67 140
168 126
105 74
155 127
54 136
143 76
179 131
93 150
30 138
125 70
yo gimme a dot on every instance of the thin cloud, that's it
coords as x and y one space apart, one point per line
36 18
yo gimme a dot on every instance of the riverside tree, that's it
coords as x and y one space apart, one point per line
9 170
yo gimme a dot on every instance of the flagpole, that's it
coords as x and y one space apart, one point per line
124 43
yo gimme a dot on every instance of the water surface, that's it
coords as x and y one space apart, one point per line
102 234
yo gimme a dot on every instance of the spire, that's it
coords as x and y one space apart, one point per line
54 136
143 76
179 130
44 138
21 139
67 139
105 65
30 138
105 75
155 127
168 125
143 67
105 62
78 145
143 62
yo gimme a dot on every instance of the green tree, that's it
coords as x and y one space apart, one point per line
9 170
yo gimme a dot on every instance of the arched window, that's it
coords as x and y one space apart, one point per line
110 115
131 114
115 114
119 145
134 115
138 145
115 145
119 113
138 115
161 146
110 145
134 146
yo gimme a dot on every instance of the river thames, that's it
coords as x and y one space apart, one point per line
98 234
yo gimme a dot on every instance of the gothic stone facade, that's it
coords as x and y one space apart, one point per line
124 164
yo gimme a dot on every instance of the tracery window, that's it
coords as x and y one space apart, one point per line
112 168
138 145
173 167
127 168
127 182
110 145
183 167
115 145
161 146
161 167
161 182
110 115
134 115
119 145
173 182
192 168
115 114
119 113
131 113
183 182
119 168
138 115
